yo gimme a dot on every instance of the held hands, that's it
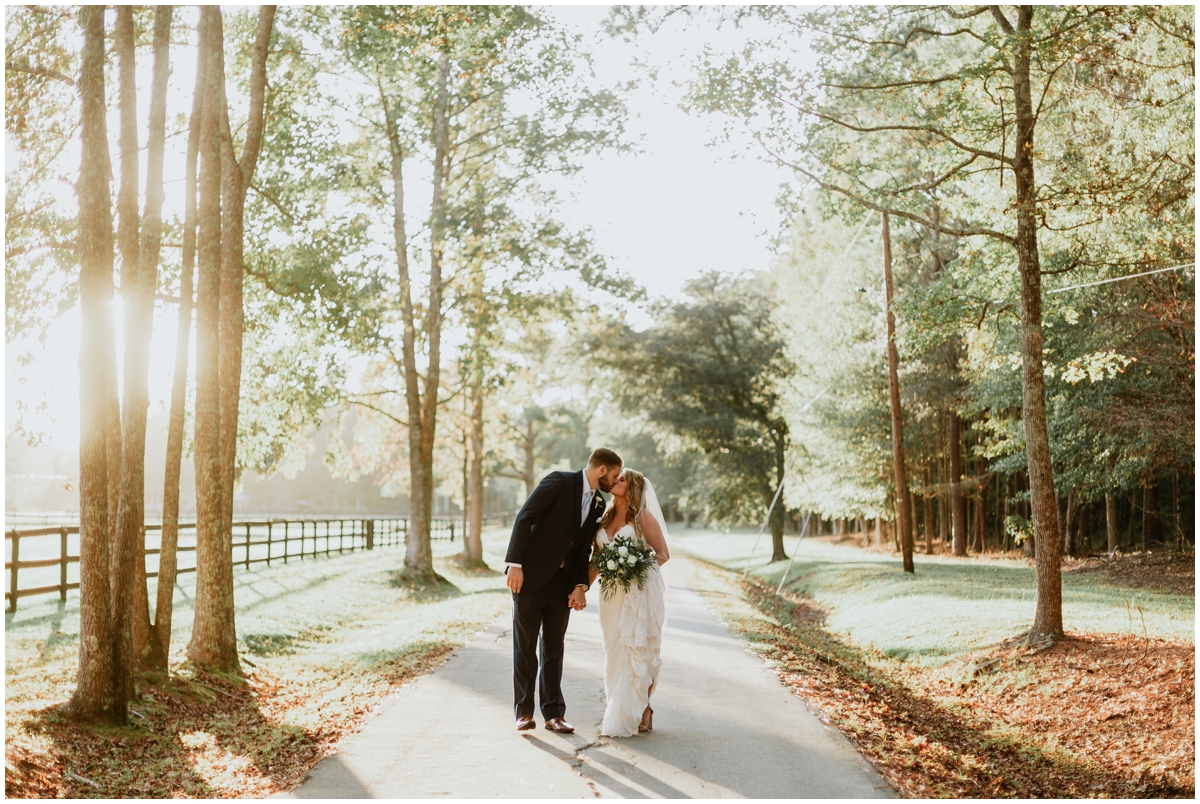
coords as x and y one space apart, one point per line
515 579
578 598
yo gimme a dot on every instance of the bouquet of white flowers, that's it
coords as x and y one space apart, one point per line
621 562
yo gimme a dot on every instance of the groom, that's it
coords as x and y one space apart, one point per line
547 571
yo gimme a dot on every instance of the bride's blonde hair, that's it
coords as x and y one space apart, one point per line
635 495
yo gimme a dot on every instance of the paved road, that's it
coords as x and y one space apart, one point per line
724 726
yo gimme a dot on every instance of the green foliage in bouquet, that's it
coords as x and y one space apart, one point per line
621 562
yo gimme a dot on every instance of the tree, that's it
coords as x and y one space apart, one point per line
914 103
160 643
223 180
444 97
711 371
95 696
904 511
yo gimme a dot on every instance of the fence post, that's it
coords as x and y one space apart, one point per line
247 547
369 529
451 530
62 564
341 535
268 542
16 557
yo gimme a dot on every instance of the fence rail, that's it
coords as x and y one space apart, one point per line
254 542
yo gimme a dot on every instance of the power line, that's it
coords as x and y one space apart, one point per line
1122 278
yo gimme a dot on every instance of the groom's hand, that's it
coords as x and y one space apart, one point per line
516 579
578 598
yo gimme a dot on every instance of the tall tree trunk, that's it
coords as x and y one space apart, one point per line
129 545
928 502
1070 548
528 447
139 325
422 408
474 543
1133 509
168 554
423 565
209 645
218 641
94 698
778 513
1152 531
958 502
943 497
903 509
1047 620
981 506
1110 521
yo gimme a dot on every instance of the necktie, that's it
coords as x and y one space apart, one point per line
587 505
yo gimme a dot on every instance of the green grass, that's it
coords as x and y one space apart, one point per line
949 606
322 642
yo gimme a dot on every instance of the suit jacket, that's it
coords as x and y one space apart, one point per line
547 532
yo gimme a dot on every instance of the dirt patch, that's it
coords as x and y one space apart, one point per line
1172 572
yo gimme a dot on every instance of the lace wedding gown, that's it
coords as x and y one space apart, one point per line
632 624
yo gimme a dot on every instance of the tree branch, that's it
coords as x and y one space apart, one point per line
42 72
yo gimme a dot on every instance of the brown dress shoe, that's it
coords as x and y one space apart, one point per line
525 723
559 725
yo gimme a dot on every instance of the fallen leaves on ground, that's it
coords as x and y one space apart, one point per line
1172 572
202 735
1088 717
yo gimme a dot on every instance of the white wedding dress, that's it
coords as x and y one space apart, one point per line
632 623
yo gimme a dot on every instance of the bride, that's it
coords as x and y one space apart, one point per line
632 621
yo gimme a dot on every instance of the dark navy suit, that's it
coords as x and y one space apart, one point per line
552 546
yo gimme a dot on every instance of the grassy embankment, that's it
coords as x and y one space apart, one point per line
916 671
323 643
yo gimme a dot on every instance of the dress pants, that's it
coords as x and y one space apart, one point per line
544 611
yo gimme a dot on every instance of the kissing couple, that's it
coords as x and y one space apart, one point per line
550 566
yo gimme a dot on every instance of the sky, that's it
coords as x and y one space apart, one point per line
672 210
679 207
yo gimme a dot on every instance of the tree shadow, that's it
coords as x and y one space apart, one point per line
192 734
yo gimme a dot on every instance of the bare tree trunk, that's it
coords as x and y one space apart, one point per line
1047 620
903 509
1110 521
138 294
778 513
234 177
943 499
958 502
209 645
981 509
527 446
1151 533
928 501
422 567
422 408
168 555
1069 546
129 545
94 699
474 545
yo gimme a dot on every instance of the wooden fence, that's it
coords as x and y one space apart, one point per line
254 542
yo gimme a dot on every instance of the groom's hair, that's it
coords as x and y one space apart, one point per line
602 456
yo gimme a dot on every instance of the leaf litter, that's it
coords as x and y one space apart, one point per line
1109 716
